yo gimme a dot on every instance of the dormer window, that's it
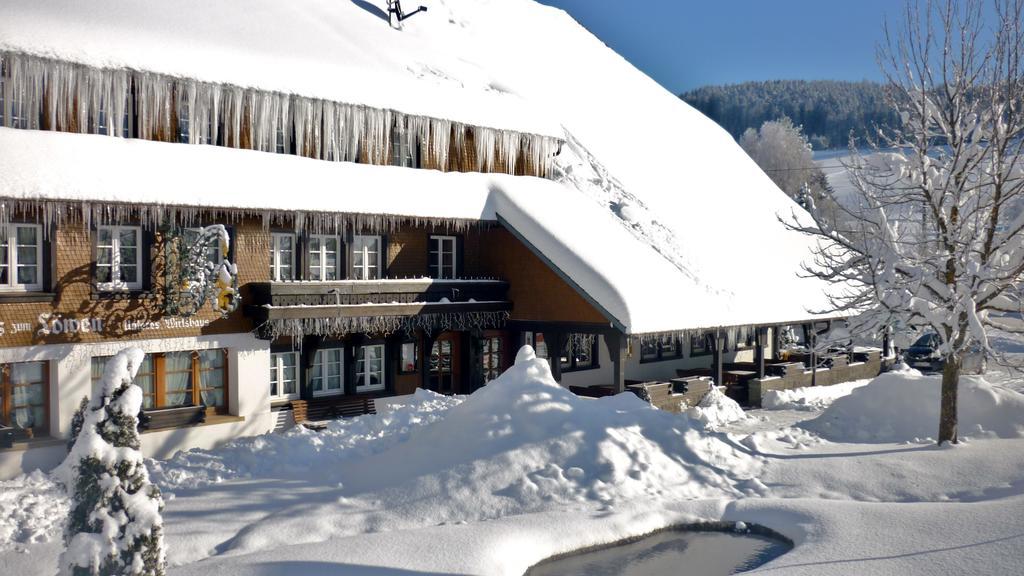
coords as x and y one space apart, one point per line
118 259
404 151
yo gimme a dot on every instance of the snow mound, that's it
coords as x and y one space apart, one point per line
716 409
903 406
809 398
300 451
33 508
521 444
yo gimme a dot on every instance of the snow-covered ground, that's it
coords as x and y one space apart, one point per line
521 470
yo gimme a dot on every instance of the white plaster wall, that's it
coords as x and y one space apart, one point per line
70 380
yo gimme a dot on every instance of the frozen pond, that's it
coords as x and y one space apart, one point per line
670 553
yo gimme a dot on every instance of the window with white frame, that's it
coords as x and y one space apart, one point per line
370 368
282 257
366 257
118 258
324 252
442 257
327 374
284 370
21 256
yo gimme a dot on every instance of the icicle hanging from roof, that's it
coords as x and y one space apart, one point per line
59 213
56 95
340 326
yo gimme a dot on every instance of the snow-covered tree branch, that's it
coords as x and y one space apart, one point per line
937 239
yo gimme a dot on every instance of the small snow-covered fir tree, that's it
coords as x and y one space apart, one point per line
77 420
937 240
115 526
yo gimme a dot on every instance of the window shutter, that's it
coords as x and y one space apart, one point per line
231 243
346 264
300 271
147 242
459 256
432 269
383 270
49 247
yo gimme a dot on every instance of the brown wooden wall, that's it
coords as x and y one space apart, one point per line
536 291
122 316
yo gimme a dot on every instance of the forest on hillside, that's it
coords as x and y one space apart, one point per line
827 110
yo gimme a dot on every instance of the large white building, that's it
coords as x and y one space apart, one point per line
406 207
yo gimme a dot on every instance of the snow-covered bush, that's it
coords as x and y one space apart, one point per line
903 405
115 526
716 409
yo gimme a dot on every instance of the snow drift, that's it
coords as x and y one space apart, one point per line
903 406
521 444
809 398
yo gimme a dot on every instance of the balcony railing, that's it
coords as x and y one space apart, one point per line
337 308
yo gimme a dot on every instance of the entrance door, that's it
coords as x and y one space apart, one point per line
444 371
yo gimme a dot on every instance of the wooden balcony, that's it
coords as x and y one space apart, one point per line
336 308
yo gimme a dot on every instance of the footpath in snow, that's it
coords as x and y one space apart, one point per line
522 469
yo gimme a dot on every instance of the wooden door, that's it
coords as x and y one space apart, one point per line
443 364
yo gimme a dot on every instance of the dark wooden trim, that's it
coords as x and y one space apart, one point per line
616 323
26 297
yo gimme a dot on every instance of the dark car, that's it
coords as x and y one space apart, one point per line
924 355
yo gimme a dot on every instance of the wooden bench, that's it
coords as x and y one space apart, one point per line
172 417
331 408
688 372
593 391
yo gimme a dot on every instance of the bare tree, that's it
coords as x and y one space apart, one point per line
937 241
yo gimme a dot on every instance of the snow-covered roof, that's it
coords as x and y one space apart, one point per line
338 50
691 239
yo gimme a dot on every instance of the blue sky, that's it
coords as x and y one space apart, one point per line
685 44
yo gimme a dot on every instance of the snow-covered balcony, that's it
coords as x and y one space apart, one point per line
338 308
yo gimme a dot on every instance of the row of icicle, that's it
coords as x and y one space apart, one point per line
43 93
295 328
57 213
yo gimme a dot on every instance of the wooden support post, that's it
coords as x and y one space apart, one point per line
555 353
426 347
759 350
813 344
716 368
617 345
